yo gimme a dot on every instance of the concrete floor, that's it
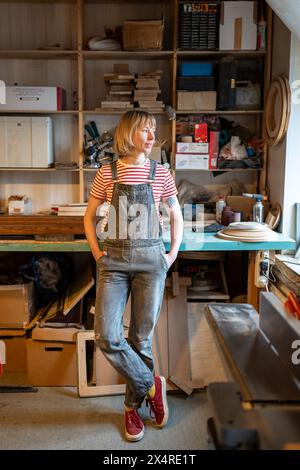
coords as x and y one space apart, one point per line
55 418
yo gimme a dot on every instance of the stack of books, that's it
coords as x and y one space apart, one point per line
120 91
75 209
147 91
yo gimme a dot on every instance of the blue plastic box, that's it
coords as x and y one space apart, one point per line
196 69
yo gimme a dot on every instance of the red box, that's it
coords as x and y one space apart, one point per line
201 132
213 149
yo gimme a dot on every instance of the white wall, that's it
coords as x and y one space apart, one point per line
289 12
276 155
284 159
292 158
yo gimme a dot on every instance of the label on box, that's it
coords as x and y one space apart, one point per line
186 161
192 147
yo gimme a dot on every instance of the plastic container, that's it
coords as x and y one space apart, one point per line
261 34
258 210
220 204
196 69
227 215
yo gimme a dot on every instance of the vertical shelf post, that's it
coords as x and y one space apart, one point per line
80 96
263 182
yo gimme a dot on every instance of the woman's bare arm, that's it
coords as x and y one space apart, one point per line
90 226
176 222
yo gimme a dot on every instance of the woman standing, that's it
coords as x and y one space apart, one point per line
133 261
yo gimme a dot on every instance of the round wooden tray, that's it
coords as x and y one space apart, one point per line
278 109
266 236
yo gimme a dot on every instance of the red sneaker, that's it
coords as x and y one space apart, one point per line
134 427
158 404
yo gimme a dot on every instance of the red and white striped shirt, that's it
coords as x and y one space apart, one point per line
163 186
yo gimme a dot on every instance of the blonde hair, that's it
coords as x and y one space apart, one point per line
128 124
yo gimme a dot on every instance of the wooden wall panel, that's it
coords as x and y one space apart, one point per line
31 25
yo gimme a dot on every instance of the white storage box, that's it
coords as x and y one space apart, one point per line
192 147
185 161
26 141
238 25
43 98
19 206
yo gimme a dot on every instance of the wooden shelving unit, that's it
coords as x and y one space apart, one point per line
30 27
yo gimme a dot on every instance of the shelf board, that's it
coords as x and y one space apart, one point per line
121 111
111 55
38 54
220 169
197 53
39 169
236 111
35 111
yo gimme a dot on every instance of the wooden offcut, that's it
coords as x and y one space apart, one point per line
40 224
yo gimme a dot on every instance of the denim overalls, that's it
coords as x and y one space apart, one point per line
137 265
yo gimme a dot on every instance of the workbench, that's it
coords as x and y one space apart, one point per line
260 407
192 241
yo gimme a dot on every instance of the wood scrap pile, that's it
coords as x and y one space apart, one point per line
285 282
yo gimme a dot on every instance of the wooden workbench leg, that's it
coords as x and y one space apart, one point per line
252 290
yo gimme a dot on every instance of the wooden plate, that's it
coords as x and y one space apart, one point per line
280 136
274 108
261 238
278 109
289 102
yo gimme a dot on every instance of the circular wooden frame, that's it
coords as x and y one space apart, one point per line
274 95
280 92
289 102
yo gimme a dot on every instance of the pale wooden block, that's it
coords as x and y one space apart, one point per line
207 361
178 340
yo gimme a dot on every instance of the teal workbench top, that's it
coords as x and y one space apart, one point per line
210 242
191 242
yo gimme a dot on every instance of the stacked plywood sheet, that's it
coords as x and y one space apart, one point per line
147 91
120 89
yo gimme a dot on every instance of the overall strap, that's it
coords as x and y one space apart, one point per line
152 173
113 166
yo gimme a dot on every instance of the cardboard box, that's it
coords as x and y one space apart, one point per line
238 25
51 363
21 206
26 141
17 305
192 147
156 153
66 335
43 98
15 350
197 100
185 161
143 35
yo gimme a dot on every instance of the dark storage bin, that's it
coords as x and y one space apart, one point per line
196 83
227 83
